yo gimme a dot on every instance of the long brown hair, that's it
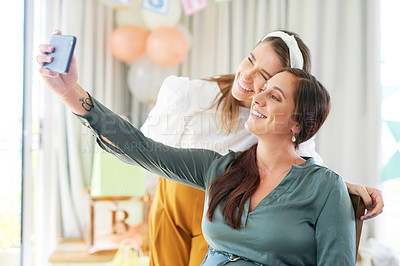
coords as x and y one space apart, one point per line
235 187
228 105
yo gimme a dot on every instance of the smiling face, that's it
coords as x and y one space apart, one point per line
261 64
271 109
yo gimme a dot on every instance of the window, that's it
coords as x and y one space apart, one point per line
11 103
390 122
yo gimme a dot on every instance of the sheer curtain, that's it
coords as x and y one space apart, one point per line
67 149
344 39
342 35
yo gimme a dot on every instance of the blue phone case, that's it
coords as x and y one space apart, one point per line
64 46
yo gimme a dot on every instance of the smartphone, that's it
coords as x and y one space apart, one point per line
64 46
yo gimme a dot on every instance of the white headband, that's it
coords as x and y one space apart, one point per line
296 57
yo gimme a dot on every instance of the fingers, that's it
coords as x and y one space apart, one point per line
47 48
377 205
372 198
368 215
43 58
363 193
48 73
360 191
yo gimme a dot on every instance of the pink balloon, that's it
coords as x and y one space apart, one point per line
128 42
167 46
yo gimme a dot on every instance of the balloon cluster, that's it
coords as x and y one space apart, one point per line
151 43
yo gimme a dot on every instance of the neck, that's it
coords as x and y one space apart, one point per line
246 104
277 155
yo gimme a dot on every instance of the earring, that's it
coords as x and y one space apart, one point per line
293 138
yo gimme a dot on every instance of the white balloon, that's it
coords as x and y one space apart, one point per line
145 79
154 20
132 15
115 3
185 31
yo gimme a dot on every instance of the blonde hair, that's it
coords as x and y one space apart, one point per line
226 103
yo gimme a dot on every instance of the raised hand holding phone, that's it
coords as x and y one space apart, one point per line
58 83
65 86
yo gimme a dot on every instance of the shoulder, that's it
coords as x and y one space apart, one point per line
327 174
203 83
183 87
324 179
175 80
172 85
333 188
221 163
172 82
325 187
203 91
172 94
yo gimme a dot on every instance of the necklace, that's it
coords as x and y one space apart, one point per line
285 171
273 180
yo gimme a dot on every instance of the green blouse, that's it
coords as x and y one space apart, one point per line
307 219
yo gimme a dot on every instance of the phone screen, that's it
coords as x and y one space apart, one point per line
64 46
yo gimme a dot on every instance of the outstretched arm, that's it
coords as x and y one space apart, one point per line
372 198
118 136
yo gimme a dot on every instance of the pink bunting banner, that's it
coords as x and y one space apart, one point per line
192 6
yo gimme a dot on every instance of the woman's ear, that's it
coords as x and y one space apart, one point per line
296 128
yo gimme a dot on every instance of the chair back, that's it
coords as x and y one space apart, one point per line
359 210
